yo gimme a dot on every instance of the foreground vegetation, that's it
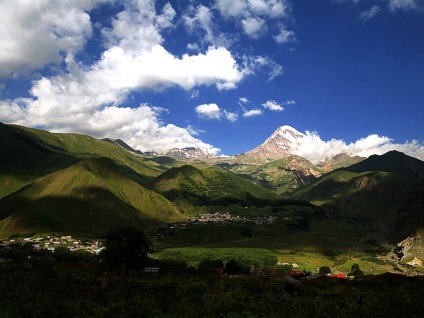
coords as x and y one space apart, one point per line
69 288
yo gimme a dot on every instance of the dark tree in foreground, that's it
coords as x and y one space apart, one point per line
233 267
126 246
325 270
356 271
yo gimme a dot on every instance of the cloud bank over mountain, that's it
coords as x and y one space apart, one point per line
317 150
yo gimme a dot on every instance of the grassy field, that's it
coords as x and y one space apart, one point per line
194 255
334 243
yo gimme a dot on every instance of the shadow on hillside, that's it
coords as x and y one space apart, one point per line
88 210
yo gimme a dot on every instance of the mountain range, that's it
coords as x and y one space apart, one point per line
51 182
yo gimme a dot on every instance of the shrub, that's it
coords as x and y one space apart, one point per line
325 270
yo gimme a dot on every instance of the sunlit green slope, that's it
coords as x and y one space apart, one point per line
91 196
188 186
27 154
388 188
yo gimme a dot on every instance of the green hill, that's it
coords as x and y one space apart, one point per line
394 162
27 154
392 194
91 196
24 159
189 187
283 176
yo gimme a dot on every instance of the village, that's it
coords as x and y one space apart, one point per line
95 246
52 242
221 218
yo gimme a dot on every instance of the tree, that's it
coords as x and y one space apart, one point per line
126 245
356 272
354 267
233 267
324 270
208 265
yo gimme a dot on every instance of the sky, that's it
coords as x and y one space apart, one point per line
221 75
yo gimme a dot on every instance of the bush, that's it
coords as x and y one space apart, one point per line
233 267
324 270
126 246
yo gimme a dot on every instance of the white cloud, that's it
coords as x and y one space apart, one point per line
230 116
273 105
201 19
193 130
231 8
237 8
263 62
193 47
252 113
255 15
402 5
369 14
313 148
209 111
243 100
290 102
34 34
254 27
118 72
212 111
284 36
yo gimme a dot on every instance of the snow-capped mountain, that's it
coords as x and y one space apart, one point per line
285 141
187 153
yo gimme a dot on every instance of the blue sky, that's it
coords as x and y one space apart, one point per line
218 74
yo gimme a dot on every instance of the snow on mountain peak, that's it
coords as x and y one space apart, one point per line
288 133
282 143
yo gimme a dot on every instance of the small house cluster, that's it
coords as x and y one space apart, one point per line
228 218
51 242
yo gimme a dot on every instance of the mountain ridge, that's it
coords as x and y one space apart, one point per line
89 196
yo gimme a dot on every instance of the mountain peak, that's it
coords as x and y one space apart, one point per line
283 142
187 153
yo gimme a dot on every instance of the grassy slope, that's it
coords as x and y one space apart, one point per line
24 159
282 176
82 146
190 187
27 154
91 196
392 196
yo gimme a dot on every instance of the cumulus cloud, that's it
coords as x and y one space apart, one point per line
237 8
369 14
34 34
199 20
255 15
252 113
316 150
284 36
254 27
209 111
212 111
230 116
273 105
